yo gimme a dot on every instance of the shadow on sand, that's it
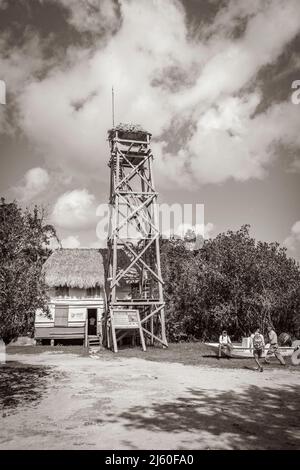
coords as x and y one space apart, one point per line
21 384
257 418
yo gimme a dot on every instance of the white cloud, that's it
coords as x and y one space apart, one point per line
101 243
204 230
230 143
72 241
91 15
237 61
208 230
75 210
292 242
162 77
34 182
54 244
231 14
18 65
170 168
68 113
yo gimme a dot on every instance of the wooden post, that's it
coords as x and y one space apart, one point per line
160 286
142 337
108 329
152 330
115 345
86 331
115 233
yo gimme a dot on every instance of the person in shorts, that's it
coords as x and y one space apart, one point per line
258 347
274 348
224 344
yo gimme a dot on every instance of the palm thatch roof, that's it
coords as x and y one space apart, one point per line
74 267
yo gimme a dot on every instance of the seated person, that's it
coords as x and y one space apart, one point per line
225 343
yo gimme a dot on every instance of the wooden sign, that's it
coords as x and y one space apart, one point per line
125 319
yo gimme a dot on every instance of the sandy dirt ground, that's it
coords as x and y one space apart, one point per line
132 403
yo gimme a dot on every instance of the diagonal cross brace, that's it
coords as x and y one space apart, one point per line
134 170
159 279
155 337
133 262
148 220
145 203
158 309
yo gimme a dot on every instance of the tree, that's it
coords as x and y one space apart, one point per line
24 246
232 281
174 262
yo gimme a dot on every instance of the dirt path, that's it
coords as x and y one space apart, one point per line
131 403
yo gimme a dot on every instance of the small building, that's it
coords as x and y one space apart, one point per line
75 278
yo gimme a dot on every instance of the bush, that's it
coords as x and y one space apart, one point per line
231 282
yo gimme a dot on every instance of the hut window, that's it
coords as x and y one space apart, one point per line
62 291
93 291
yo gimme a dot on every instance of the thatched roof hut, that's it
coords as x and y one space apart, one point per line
74 267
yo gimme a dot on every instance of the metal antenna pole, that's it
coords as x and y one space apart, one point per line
2 92
113 106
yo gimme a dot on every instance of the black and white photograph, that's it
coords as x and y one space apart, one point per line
149 228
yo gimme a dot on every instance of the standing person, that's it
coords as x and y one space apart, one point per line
258 347
273 349
224 343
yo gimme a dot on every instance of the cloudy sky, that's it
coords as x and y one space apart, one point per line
211 80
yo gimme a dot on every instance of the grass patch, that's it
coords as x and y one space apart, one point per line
194 353
79 350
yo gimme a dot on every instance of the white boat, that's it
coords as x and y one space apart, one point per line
244 351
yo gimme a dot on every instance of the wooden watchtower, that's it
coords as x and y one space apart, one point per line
133 232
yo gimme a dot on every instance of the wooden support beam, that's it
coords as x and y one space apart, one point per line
159 279
133 200
131 264
148 220
164 343
136 166
135 169
145 203
150 315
